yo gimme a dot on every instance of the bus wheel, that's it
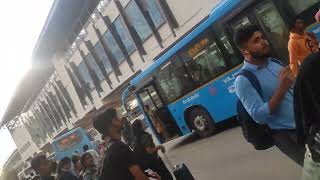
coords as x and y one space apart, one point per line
201 122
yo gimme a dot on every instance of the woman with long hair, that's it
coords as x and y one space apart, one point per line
65 170
77 165
147 151
307 114
90 171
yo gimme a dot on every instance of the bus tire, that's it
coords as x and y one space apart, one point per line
201 122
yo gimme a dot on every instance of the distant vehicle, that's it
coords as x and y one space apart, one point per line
190 87
70 142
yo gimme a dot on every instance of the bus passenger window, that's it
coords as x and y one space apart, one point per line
174 80
300 5
204 60
230 53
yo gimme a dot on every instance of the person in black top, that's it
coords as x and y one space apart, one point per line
147 152
307 114
64 170
41 166
119 162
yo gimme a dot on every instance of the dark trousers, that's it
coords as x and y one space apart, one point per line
286 141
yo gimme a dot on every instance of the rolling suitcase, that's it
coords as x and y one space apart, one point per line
180 171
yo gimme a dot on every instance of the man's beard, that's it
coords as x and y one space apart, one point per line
258 56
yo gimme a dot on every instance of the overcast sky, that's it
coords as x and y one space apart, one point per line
21 25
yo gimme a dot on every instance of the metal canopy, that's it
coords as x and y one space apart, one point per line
64 20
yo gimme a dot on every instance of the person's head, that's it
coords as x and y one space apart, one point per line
87 160
76 162
65 164
108 123
252 43
298 25
146 108
53 166
85 148
41 165
317 16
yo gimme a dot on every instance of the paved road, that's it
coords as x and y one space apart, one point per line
226 156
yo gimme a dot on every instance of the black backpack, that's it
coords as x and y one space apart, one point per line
258 135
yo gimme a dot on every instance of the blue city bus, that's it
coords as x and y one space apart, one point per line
190 87
67 144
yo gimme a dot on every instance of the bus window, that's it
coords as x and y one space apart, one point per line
274 28
204 60
300 5
240 23
230 53
174 80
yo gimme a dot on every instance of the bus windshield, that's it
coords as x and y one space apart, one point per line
69 142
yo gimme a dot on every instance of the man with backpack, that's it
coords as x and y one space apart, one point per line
264 89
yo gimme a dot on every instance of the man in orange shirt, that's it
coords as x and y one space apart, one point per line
301 44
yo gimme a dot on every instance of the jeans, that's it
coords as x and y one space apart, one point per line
285 140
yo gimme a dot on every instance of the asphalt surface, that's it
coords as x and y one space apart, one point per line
227 156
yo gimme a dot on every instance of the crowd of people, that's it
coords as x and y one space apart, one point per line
138 159
288 103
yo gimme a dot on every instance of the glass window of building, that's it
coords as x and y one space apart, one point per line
124 35
114 48
154 11
102 57
84 72
137 20
173 79
94 66
299 6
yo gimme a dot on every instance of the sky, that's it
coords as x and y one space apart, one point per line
21 25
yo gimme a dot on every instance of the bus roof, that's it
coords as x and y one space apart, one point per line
217 12
67 133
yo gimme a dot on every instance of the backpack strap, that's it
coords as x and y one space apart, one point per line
278 62
252 79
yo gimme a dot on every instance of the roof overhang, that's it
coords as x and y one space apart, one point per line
65 19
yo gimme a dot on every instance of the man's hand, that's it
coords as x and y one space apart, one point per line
138 174
286 79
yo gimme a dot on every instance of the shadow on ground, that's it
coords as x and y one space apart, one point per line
221 127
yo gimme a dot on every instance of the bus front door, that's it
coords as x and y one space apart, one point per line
160 117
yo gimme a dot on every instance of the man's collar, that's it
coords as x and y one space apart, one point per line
253 67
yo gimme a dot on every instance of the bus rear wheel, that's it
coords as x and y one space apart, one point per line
202 122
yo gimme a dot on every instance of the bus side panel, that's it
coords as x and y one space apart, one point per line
217 97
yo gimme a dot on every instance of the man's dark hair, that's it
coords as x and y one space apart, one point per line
103 120
36 162
75 158
294 21
85 148
243 34
64 161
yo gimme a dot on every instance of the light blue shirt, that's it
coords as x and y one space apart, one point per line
257 107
